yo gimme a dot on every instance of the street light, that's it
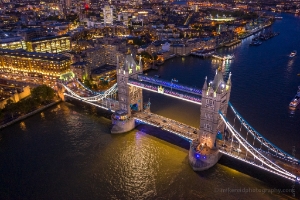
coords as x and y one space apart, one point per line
173 79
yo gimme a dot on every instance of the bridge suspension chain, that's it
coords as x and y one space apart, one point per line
255 153
259 137
98 97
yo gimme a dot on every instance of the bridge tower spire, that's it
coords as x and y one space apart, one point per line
204 88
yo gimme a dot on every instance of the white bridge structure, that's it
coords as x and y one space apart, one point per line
239 141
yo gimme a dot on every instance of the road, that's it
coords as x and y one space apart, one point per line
170 125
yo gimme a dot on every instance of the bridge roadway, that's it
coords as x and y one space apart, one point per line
187 132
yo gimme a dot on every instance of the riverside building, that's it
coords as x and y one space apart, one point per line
42 65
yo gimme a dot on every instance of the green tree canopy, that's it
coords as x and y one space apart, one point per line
42 93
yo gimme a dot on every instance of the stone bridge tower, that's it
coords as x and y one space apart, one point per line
215 97
129 96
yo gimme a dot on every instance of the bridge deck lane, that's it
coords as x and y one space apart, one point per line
170 125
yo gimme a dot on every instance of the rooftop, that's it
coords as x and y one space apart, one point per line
26 54
103 69
48 38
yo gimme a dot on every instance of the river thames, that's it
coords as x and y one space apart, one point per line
67 152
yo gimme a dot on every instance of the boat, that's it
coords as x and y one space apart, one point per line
293 54
228 57
296 100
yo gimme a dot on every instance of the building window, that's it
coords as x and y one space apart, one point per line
208 116
207 127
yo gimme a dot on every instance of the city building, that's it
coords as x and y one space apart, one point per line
104 73
50 44
32 33
42 65
80 70
108 15
14 42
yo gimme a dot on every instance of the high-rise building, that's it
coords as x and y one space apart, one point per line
108 15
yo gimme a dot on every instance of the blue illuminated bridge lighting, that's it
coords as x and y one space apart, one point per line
170 84
174 92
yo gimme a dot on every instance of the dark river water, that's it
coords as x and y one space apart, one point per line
67 152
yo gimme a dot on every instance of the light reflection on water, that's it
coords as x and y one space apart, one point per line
77 158
23 126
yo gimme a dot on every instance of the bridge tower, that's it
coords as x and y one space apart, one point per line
204 152
215 97
130 97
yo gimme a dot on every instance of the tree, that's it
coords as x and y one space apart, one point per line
145 54
42 93
104 83
138 41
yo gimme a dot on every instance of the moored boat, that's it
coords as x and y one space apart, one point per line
296 100
293 54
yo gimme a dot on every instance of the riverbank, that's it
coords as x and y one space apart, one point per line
254 32
28 114
234 42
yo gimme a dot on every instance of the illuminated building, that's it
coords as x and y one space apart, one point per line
80 69
105 54
50 44
33 63
12 43
108 14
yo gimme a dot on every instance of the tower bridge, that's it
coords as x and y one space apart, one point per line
215 137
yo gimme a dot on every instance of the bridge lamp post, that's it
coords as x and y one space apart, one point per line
172 83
